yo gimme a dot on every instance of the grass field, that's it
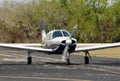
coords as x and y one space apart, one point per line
110 53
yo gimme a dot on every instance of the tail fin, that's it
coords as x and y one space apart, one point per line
43 30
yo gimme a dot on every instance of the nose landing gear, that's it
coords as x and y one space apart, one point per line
66 58
68 61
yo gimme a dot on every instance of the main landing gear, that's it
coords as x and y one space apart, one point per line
87 57
29 59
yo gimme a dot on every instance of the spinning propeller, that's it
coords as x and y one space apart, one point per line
66 53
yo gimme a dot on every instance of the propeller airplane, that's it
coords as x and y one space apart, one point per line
58 42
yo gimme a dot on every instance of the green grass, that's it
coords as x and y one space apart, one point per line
110 53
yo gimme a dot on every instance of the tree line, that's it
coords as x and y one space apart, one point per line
97 20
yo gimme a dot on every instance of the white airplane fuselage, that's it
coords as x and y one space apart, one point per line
58 39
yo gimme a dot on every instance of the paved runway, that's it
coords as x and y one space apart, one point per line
13 67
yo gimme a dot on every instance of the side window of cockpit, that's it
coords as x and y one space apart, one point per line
57 34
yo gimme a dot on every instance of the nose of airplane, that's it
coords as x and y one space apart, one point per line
68 41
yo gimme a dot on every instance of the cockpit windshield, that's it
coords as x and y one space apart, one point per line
57 34
60 33
66 34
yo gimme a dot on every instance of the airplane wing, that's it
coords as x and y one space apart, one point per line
97 47
29 44
26 47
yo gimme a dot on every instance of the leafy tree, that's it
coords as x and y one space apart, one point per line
97 20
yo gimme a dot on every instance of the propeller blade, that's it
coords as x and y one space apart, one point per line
73 31
64 57
65 50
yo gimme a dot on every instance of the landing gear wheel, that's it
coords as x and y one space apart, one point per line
29 59
68 61
86 59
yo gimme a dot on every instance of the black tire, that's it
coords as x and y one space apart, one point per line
68 61
86 59
29 60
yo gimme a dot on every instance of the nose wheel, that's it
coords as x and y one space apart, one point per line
68 61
